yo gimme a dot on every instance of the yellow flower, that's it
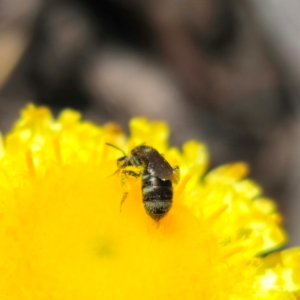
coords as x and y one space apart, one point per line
63 235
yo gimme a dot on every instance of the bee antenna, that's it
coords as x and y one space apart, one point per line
114 146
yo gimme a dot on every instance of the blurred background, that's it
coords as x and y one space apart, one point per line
225 72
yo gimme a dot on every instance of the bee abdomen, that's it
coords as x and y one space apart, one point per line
157 193
157 196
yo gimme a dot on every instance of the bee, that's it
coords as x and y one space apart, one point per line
157 178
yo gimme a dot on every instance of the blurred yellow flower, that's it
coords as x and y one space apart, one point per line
63 236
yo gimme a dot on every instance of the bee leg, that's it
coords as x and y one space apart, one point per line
176 174
124 174
131 173
123 199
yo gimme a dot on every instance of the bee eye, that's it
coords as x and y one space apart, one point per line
135 161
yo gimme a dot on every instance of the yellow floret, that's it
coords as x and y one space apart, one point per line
63 235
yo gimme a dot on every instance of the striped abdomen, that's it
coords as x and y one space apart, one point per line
157 195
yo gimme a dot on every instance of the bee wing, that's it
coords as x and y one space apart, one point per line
162 169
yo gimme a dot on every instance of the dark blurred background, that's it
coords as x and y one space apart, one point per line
222 71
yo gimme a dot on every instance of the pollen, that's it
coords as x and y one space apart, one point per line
64 234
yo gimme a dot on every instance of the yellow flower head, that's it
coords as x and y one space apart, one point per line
64 234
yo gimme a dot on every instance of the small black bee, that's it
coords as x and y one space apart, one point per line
157 178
